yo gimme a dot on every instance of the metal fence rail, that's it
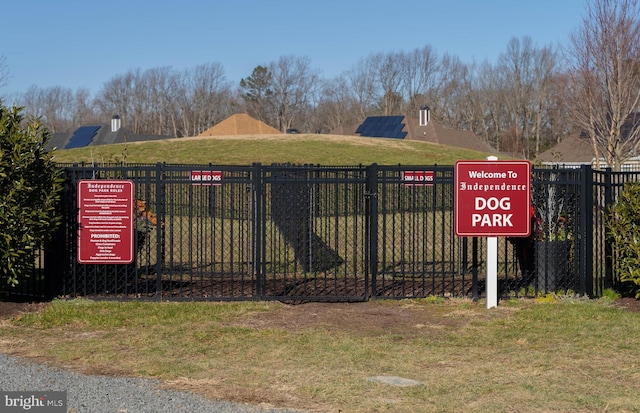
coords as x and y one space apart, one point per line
312 233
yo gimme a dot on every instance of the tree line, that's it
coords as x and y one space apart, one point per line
531 98
500 102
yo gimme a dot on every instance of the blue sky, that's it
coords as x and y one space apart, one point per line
84 43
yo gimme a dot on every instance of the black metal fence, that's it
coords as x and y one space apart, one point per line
312 233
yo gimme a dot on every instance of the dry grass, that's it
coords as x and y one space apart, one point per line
566 355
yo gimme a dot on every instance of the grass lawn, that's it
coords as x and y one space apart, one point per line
553 354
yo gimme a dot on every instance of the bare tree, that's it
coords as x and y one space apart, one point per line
466 111
116 98
492 98
555 118
419 70
448 91
207 92
157 94
54 105
84 109
525 71
388 71
162 101
337 105
294 85
361 79
544 68
605 79
513 95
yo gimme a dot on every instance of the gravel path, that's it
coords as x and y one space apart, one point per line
102 394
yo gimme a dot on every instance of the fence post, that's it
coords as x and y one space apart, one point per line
259 220
371 247
159 229
586 240
474 270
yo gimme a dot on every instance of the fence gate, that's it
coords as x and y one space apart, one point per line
415 251
313 239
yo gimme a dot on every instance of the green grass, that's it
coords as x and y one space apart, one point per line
561 355
298 149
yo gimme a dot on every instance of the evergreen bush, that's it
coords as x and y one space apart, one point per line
30 186
623 223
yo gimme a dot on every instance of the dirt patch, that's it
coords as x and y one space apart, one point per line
628 303
366 318
9 309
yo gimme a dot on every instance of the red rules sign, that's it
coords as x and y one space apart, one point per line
105 215
417 177
492 198
206 178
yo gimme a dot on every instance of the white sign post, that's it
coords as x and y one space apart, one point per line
492 265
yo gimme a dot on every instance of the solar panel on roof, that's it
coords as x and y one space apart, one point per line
382 127
82 137
398 129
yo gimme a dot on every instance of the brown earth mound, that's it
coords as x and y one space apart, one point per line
240 124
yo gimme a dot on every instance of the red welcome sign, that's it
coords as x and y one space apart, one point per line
492 198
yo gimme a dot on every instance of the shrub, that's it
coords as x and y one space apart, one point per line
623 223
31 187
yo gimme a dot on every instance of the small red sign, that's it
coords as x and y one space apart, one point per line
417 177
105 215
206 177
492 198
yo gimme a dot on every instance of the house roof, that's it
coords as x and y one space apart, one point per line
103 136
578 148
436 133
240 124
433 132
574 148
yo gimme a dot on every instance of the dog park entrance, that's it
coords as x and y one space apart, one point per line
312 233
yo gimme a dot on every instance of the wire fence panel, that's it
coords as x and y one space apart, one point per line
558 198
418 253
207 232
314 234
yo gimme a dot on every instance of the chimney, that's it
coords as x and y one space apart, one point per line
115 123
425 115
